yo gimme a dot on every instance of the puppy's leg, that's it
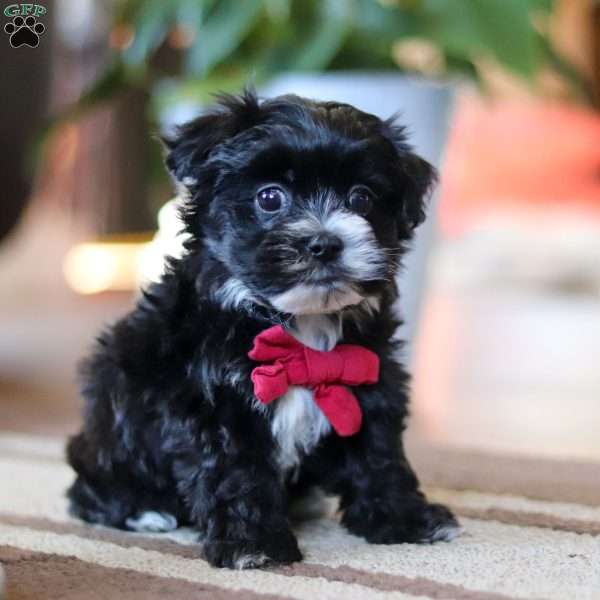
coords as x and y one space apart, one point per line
96 502
380 495
114 504
235 495
99 495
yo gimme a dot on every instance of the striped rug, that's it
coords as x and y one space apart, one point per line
532 530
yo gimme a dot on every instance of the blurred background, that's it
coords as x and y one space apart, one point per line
502 294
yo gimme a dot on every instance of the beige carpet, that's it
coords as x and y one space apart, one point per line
532 530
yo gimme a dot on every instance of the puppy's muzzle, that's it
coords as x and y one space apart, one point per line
325 246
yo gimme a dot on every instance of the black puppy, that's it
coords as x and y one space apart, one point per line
297 213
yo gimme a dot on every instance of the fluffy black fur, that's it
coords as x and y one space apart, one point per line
171 424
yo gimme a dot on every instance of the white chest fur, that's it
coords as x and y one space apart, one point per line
298 424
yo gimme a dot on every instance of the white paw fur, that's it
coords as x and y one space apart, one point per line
152 522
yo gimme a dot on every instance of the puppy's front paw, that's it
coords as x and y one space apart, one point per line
415 522
436 524
275 547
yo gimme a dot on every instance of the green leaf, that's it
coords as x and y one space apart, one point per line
544 5
125 11
199 91
221 33
191 12
324 41
499 28
385 21
314 36
151 24
278 10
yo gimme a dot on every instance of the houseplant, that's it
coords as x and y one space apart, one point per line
179 52
221 44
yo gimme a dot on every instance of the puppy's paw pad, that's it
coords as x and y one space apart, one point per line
152 522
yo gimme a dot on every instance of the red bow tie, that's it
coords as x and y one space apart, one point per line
293 363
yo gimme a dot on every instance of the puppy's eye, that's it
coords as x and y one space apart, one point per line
360 200
270 199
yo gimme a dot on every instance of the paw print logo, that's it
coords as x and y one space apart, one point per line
24 32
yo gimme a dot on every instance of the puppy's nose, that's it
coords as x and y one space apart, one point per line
325 246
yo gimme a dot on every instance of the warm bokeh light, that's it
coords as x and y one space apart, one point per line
125 264
91 268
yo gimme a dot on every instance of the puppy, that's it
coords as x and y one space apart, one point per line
297 214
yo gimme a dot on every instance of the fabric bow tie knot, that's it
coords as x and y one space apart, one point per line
328 373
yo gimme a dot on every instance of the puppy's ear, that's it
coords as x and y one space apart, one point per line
416 178
419 177
192 143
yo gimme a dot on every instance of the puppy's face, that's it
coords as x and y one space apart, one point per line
306 204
